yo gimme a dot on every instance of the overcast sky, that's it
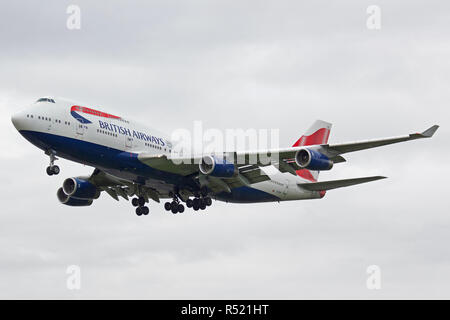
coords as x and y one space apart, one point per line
234 64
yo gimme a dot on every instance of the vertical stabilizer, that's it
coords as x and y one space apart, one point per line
318 133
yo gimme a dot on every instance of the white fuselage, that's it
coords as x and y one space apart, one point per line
92 137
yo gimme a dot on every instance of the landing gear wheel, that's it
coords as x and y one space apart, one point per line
195 206
202 206
145 210
174 205
135 202
139 211
49 171
141 201
52 168
207 201
189 203
167 206
196 203
55 169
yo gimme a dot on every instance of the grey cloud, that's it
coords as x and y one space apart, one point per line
234 65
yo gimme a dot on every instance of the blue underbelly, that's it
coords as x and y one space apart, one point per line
246 194
100 156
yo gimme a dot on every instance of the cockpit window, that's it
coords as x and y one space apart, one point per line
46 100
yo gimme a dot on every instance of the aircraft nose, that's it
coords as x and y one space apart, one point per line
17 120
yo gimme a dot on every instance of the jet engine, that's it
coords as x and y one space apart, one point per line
69 201
80 189
77 192
312 160
217 167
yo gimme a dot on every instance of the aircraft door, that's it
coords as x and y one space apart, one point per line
80 129
285 188
128 142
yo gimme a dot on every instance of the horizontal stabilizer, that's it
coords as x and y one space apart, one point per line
328 185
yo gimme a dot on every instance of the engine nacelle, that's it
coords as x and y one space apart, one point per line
312 160
80 189
217 167
69 201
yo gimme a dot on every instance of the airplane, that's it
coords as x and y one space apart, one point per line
133 161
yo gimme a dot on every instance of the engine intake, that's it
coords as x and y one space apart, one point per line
312 160
69 201
80 189
217 167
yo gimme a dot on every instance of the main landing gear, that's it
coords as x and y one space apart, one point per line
201 200
198 203
175 206
52 169
141 208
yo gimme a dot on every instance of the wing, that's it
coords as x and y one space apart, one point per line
246 174
116 187
333 151
249 163
336 149
286 162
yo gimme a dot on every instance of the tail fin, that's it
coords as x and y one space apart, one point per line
318 133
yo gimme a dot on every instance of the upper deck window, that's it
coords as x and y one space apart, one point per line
46 100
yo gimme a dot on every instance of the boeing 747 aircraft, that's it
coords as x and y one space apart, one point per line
137 162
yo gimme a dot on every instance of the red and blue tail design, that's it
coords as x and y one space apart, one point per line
318 133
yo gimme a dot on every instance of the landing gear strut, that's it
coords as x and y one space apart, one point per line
52 169
141 208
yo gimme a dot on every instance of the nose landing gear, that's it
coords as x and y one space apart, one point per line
52 169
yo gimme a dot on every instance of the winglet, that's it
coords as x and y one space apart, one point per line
430 131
